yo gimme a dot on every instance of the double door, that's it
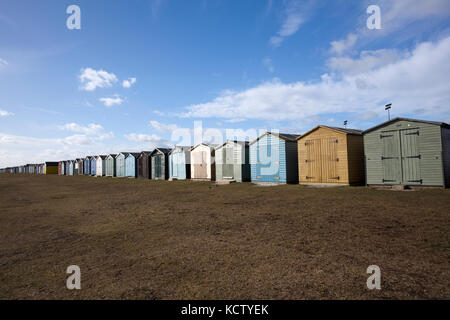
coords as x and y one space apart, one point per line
200 165
159 166
401 157
321 160
225 159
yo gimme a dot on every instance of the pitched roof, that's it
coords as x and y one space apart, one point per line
441 124
357 132
244 143
211 146
287 136
146 153
283 136
343 130
183 148
134 154
162 150
124 153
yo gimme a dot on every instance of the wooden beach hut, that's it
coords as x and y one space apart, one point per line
331 155
93 166
274 158
160 164
78 166
144 165
100 164
203 162
408 152
180 163
131 165
87 165
50 168
70 166
110 163
233 161
120 164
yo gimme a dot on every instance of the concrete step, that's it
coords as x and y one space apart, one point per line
224 182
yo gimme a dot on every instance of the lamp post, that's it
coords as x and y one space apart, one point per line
388 108
345 124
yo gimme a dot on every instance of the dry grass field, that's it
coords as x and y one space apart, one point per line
136 239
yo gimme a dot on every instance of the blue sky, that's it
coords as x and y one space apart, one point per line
248 65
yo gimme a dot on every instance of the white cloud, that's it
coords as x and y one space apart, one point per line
4 113
88 135
92 79
78 140
129 82
368 115
235 120
291 24
420 79
3 63
109 102
368 60
86 139
276 41
137 137
395 14
90 129
294 15
19 150
344 45
159 113
105 136
267 62
148 142
400 19
163 127
6 139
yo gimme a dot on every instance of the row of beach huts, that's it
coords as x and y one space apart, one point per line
397 152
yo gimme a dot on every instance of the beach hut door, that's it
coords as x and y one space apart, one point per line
140 164
228 165
313 160
329 170
158 166
391 157
410 156
200 165
175 163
